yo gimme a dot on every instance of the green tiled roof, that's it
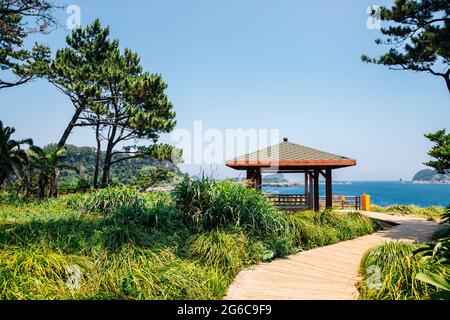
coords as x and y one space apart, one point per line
291 153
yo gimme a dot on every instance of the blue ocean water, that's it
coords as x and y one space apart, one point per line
384 193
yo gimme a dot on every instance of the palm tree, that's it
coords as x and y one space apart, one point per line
13 159
47 163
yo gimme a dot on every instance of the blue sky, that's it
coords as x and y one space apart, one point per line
288 65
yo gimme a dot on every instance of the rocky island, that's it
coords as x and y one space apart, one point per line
428 176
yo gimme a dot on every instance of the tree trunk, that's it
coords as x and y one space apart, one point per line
69 128
54 184
98 155
447 81
106 168
42 185
108 158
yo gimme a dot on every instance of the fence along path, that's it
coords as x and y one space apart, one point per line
325 273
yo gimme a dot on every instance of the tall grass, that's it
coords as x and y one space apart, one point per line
229 251
34 272
389 273
108 200
432 213
132 273
205 205
308 230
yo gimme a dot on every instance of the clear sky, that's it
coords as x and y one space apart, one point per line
288 65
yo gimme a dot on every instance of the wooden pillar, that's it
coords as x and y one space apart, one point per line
251 177
254 178
311 190
258 178
316 191
306 183
328 189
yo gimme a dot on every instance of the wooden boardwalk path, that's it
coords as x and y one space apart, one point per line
325 273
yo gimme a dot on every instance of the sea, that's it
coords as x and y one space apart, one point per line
382 193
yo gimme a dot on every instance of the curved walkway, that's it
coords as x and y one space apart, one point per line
324 273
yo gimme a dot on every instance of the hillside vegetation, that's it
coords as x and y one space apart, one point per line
83 158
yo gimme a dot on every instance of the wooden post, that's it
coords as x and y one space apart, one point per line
258 178
311 191
316 191
329 189
306 183
251 177
254 178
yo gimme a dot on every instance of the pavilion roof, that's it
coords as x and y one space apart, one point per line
288 154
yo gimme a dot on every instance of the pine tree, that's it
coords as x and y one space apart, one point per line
419 36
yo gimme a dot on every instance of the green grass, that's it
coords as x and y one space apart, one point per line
431 213
308 230
389 273
130 245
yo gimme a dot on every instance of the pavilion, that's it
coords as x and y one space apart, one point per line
287 157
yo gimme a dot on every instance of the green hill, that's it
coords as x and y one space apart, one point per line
83 158
428 175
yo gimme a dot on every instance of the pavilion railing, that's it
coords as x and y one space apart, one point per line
343 202
303 201
289 201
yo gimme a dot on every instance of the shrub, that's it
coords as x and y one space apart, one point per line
206 205
442 232
439 254
9 198
446 216
83 184
150 176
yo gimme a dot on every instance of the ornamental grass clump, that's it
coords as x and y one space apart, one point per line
389 272
139 273
35 272
307 229
106 201
205 205
228 251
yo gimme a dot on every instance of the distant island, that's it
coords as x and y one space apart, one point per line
278 177
431 177
278 180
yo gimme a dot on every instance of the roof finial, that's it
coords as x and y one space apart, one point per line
285 139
